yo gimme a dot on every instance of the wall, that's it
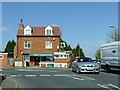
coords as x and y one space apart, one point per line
4 60
37 45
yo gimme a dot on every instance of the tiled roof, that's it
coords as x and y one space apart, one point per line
40 31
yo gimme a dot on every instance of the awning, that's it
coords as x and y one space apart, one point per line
41 54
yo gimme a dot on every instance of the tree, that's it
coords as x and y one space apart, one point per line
67 47
97 55
78 52
10 46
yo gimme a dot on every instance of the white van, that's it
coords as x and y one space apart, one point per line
110 56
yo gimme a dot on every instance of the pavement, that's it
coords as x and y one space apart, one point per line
7 82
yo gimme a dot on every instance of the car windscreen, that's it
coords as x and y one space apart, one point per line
84 60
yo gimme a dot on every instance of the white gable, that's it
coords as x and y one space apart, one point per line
48 30
27 30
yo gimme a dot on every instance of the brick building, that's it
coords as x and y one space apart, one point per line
38 44
3 59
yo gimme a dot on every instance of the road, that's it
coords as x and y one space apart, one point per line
61 78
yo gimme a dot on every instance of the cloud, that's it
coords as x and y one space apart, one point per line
4 29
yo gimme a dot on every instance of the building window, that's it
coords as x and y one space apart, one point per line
48 32
48 45
27 32
27 44
1 57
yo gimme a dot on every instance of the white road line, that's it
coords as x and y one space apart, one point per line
61 75
84 77
13 75
30 75
102 86
77 78
26 70
114 86
45 75
88 78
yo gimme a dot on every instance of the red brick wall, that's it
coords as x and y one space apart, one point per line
61 60
37 45
4 61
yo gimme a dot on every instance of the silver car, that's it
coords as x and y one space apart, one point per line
85 65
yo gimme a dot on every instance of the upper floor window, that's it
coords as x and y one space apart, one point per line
27 30
48 30
48 45
27 44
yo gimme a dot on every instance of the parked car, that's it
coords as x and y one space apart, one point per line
85 65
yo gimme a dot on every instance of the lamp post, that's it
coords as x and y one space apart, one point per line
113 32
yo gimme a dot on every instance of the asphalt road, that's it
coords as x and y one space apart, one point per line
62 78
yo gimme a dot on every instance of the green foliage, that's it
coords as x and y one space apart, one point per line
97 55
78 52
10 46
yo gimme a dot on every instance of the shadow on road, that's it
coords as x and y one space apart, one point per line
112 72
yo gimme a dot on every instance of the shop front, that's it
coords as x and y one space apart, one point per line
34 59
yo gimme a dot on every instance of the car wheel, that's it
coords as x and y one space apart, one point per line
107 68
97 73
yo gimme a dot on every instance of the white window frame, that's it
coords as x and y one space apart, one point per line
27 32
26 44
1 56
48 44
49 30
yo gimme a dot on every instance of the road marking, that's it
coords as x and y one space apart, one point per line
45 75
77 78
84 77
103 86
61 75
26 70
88 78
13 75
30 75
114 86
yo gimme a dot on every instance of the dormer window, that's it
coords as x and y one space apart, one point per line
27 30
48 30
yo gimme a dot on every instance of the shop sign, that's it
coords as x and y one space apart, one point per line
50 65
41 54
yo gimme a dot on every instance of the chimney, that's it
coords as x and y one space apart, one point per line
21 26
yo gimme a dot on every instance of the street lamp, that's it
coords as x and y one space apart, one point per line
113 30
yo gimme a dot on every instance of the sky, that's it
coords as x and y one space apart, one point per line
83 23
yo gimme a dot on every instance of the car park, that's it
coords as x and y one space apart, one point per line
85 65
